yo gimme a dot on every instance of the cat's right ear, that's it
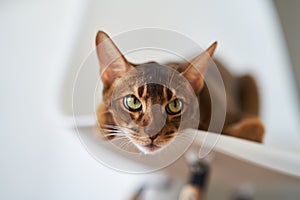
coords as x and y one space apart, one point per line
113 64
197 68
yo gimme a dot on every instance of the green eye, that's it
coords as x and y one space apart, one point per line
174 107
132 103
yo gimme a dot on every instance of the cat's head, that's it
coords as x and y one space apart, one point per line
146 103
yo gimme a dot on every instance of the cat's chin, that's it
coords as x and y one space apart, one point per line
149 149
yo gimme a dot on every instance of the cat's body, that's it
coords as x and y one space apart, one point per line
150 115
242 104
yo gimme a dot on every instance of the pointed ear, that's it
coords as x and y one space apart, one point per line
112 63
197 68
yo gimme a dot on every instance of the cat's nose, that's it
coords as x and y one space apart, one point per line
151 131
153 137
157 122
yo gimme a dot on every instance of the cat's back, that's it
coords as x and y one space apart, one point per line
229 82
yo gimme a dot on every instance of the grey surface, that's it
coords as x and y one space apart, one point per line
288 11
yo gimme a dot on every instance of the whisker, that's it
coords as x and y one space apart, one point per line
184 136
114 134
171 78
114 126
140 137
122 142
113 130
119 138
109 127
125 144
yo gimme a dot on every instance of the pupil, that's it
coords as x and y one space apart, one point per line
175 104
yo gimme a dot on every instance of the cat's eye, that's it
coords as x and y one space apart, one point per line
132 103
174 107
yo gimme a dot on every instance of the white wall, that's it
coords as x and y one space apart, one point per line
44 42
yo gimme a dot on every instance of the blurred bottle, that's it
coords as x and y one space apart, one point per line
195 189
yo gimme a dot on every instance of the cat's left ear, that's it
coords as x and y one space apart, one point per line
197 68
113 64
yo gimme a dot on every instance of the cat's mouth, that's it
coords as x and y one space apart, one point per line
153 144
151 147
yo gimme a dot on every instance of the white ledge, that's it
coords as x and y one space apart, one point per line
280 160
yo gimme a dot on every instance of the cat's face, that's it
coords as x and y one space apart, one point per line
149 104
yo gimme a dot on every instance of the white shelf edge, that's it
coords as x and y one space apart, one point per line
280 160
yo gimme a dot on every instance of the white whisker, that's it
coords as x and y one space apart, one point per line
125 144
119 138
112 131
110 126
140 137
115 134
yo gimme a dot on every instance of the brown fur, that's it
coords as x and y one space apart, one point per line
242 112
241 94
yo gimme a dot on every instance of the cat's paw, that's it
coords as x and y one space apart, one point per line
248 128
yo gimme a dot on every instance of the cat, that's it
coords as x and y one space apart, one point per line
151 129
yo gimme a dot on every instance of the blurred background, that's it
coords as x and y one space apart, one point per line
43 43
288 17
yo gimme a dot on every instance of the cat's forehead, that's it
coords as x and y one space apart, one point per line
155 92
157 76
151 80
156 88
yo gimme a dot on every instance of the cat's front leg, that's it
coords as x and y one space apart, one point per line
249 128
